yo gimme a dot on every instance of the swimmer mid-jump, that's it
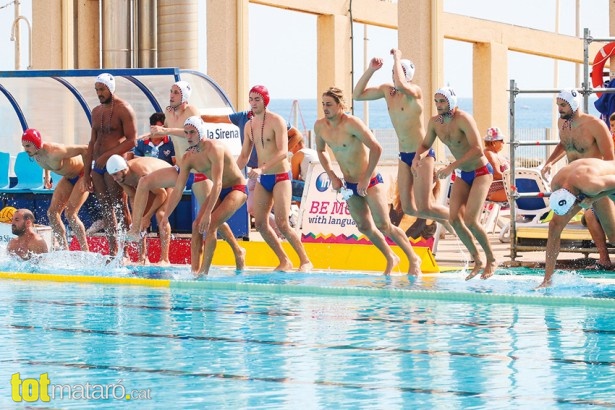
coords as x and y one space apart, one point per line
457 130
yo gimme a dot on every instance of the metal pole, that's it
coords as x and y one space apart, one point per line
365 63
513 227
555 71
17 37
586 41
577 34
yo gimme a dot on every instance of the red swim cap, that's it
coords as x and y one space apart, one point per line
262 90
33 136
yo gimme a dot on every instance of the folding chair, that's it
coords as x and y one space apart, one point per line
527 181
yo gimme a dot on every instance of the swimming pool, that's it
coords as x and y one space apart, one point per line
269 340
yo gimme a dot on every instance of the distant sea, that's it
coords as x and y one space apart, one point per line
529 112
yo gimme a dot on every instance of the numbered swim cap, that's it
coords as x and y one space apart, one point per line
561 201
571 97
116 163
262 90
108 80
32 136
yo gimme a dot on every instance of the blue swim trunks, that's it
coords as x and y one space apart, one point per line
98 170
74 180
408 157
225 191
372 182
268 181
468 176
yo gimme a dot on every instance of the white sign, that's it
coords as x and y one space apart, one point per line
324 213
226 133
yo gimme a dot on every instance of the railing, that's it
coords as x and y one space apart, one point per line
516 142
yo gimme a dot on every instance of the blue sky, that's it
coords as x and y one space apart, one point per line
283 44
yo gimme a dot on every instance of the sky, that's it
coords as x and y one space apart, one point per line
283 54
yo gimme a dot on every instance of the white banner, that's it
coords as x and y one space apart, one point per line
324 214
226 133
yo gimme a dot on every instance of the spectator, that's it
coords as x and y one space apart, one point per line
154 145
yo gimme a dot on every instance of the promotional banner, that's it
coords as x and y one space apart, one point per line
226 133
324 212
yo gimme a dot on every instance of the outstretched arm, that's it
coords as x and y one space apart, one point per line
176 132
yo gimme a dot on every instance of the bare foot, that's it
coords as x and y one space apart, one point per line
306 267
284 267
392 262
477 268
133 236
143 261
415 266
163 263
600 266
240 260
489 269
199 275
545 284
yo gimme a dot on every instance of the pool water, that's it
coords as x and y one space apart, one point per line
316 341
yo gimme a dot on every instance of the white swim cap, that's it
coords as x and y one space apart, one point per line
571 97
494 134
197 123
408 67
450 95
561 201
185 89
108 80
116 163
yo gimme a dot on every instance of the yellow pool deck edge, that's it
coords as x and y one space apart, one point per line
325 256
107 280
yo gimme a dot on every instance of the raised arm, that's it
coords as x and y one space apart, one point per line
361 92
399 77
